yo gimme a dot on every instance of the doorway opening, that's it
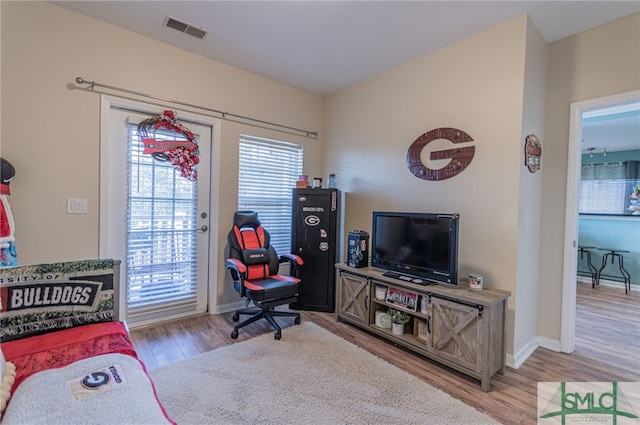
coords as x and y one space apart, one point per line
576 135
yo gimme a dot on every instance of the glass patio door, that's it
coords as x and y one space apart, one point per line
163 229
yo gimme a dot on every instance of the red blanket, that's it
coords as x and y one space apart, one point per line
61 348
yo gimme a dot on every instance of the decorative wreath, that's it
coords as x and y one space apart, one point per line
183 154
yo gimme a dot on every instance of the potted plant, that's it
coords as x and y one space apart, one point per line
398 319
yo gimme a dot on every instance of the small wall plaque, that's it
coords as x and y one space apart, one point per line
532 153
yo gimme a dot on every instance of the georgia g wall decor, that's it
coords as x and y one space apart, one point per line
460 157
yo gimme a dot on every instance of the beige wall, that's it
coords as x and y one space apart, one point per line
476 85
530 193
0 84
596 63
51 133
492 85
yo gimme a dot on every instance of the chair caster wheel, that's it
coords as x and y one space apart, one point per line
277 336
297 321
236 317
234 334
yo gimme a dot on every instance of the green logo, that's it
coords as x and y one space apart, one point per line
587 402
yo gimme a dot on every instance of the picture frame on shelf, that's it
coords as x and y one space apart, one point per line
420 330
403 299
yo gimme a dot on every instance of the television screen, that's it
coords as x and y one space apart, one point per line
416 244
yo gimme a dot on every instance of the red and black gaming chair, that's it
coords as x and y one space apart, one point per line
254 264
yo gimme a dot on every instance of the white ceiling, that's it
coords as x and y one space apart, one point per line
616 129
324 46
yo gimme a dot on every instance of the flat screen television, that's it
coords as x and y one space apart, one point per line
424 245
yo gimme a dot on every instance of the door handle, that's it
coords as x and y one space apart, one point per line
203 229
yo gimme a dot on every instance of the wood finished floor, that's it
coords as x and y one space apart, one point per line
607 349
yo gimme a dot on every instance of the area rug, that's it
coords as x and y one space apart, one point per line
310 376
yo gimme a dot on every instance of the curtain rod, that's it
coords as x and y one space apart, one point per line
604 163
224 115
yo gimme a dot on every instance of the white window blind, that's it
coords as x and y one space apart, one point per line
161 241
603 196
603 188
268 171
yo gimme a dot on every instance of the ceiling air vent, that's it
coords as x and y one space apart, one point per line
185 27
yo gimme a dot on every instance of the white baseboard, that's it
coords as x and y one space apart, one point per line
548 343
516 360
225 308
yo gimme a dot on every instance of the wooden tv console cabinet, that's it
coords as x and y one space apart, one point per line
460 328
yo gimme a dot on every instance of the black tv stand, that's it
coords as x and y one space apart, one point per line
406 278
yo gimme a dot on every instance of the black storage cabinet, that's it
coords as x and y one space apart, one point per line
314 238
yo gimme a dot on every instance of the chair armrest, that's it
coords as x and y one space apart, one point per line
292 258
294 261
237 268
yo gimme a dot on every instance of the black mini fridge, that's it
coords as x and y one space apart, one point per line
314 238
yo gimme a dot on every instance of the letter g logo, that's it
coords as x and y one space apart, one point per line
95 380
460 157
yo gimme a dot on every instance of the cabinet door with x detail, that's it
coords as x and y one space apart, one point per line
353 297
456 332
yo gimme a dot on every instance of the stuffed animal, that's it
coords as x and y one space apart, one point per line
8 255
8 378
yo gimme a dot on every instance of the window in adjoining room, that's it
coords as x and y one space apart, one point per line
267 172
606 188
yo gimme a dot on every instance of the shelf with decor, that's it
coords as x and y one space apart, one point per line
458 327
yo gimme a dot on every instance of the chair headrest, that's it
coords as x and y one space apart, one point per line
246 219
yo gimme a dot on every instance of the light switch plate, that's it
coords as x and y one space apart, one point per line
77 205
